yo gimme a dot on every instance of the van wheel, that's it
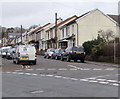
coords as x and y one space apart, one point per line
34 63
68 58
17 61
75 60
82 60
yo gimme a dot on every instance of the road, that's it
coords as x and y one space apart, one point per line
55 78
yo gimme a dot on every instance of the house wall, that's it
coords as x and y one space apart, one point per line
89 25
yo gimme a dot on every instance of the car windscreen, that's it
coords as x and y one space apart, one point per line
79 49
52 50
4 50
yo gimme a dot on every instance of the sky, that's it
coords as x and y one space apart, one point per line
41 12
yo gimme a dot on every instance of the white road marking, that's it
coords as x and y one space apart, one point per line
51 69
91 78
14 72
34 74
73 78
112 80
40 69
83 80
97 69
21 73
115 84
8 72
101 79
58 76
18 70
66 77
42 75
49 75
103 82
28 73
72 69
29 69
40 91
62 69
110 69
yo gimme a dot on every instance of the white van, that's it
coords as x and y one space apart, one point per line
4 51
25 53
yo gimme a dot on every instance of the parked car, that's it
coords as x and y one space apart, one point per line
57 54
49 53
73 53
9 54
25 53
4 51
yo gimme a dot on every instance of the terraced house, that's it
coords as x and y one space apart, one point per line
73 31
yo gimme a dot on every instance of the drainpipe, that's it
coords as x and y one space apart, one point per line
77 35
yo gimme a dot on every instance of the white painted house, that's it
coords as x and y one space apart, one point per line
93 21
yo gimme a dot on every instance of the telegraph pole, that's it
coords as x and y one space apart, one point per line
56 29
21 34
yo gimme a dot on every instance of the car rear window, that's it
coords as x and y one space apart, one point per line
78 49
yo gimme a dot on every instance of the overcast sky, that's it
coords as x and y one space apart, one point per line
30 13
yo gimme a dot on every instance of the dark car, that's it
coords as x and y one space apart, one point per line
57 53
74 53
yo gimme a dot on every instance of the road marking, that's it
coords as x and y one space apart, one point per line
51 69
49 75
73 78
29 69
110 69
21 73
62 69
28 73
34 74
97 69
103 82
84 68
115 84
66 77
58 76
40 69
112 80
72 69
39 91
83 80
101 79
14 72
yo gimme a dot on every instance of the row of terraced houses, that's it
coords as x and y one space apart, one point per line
73 31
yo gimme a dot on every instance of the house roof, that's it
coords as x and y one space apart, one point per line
115 17
112 18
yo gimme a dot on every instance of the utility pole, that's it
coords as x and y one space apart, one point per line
56 29
21 34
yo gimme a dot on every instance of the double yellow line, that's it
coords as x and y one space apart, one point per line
25 66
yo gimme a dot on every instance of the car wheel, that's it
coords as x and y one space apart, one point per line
44 56
14 61
47 57
68 58
82 60
56 58
52 57
62 59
